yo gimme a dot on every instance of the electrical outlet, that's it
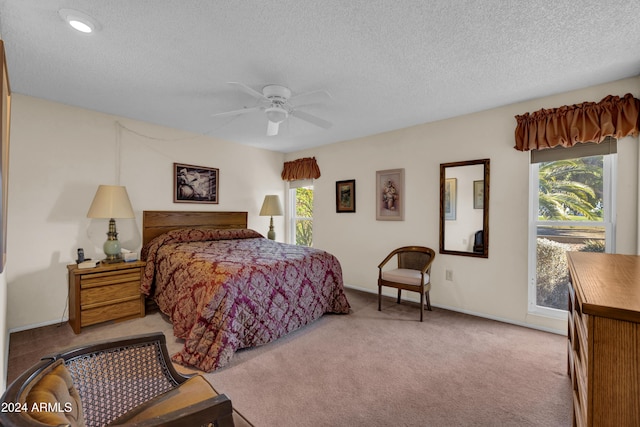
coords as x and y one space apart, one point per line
449 275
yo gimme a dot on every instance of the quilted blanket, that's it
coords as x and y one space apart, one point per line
230 289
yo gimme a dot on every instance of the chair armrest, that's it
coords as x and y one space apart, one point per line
216 409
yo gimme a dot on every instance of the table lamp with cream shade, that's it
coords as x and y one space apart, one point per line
271 207
111 201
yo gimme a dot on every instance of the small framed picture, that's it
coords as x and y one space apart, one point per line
390 195
450 198
346 196
195 184
478 194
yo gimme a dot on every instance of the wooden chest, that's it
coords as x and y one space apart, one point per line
604 338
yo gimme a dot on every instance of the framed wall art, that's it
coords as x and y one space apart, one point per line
450 198
346 196
390 195
5 117
195 184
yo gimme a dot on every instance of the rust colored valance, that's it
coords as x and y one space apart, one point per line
306 168
572 124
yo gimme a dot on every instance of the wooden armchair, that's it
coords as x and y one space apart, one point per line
124 382
412 274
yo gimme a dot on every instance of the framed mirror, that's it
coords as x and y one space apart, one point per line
464 208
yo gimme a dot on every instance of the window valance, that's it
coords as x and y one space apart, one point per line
306 168
571 124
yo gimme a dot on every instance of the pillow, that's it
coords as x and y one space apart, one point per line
52 399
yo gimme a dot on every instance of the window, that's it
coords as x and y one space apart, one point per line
301 213
571 209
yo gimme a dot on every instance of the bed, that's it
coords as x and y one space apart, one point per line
225 287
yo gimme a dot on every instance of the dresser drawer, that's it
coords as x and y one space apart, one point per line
114 311
571 328
579 412
581 339
580 384
572 297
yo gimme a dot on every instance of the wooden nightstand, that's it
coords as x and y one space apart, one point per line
103 293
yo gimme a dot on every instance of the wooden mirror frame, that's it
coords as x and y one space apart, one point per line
485 207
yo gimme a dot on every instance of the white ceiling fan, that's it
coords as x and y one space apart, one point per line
276 102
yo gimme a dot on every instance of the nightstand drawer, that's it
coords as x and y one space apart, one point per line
101 294
109 278
108 312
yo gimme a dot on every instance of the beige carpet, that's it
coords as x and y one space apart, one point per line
373 368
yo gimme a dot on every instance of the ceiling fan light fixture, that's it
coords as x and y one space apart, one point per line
272 128
276 114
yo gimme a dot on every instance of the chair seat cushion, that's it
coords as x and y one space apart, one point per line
52 399
405 275
194 390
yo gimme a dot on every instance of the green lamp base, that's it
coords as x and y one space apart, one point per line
111 247
271 235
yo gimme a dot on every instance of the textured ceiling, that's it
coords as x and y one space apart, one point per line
387 64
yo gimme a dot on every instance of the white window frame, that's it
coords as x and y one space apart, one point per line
609 172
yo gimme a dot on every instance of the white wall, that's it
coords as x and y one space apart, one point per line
60 154
495 287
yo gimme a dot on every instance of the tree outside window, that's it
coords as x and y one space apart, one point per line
304 216
570 204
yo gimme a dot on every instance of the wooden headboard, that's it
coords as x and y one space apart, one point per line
154 223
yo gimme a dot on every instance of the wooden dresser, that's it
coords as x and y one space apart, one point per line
604 338
103 293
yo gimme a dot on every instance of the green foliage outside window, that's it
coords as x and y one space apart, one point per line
552 274
570 188
569 191
304 215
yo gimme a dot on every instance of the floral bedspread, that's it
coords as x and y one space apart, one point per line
229 289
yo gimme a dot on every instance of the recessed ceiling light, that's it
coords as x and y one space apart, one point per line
79 21
81 26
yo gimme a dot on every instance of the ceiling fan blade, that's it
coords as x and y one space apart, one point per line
311 119
246 89
272 128
236 112
322 92
309 104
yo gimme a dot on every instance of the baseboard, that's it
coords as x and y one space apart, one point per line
476 314
37 325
